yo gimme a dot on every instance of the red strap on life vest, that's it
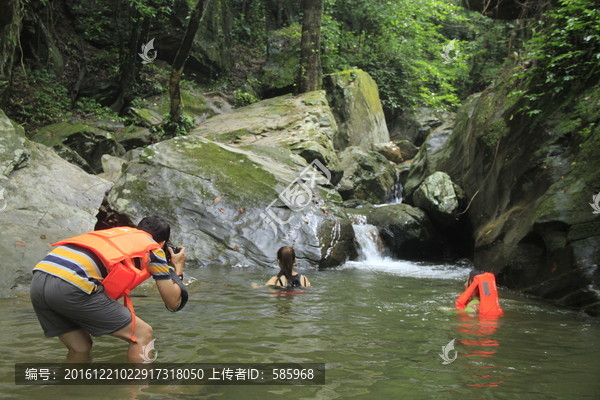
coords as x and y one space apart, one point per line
127 303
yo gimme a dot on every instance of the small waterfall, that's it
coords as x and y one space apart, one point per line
396 197
371 251
370 245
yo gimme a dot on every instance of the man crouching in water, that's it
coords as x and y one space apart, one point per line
75 287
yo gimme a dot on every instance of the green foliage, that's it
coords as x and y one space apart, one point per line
95 20
172 128
249 26
243 98
38 99
400 44
562 57
89 107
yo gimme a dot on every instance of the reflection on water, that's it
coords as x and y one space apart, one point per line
477 337
378 328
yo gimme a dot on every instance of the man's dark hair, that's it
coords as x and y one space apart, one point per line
157 227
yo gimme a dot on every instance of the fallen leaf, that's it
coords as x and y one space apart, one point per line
236 248
217 200
22 244
42 236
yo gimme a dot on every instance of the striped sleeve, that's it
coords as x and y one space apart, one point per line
157 265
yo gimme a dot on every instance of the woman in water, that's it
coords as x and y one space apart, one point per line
480 296
287 276
473 304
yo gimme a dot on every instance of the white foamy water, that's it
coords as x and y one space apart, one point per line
372 257
410 269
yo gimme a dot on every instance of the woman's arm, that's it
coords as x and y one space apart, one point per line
272 282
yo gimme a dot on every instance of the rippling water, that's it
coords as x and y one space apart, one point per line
379 328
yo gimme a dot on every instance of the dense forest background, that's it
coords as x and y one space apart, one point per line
81 58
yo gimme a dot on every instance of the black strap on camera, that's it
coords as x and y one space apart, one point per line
176 278
184 292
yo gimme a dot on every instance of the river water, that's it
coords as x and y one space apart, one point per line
379 325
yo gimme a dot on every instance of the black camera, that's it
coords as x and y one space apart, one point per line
175 249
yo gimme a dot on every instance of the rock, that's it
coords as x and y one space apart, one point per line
529 181
440 198
44 199
406 231
134 136
356 203
13 152
390 151
199 107
425 162
79 143
407 149
226 203
402 172
112 167
304 124
283 49
338 246
367 175
146 117
354 99
416 125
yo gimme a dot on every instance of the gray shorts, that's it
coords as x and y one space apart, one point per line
62 307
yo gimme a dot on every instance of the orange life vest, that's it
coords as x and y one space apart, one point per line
118 248
489 306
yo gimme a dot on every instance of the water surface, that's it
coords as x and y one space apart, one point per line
378 326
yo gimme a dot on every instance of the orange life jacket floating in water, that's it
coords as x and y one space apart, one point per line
489 306
119 248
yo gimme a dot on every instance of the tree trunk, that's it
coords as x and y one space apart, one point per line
181 57
130 63
309 74
10 26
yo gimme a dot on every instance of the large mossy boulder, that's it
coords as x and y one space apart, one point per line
354 98
236 204
529 180
79 143
366 175
304 124
44 199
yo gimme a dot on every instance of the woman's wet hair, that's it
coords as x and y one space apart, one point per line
157 227
473 274
286 257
